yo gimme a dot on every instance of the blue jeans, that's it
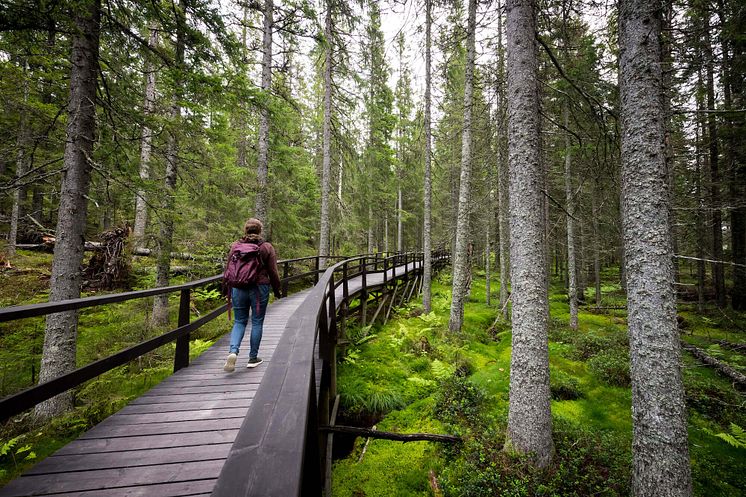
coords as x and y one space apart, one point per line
253 299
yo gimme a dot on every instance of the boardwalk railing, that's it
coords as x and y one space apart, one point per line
292 271
280 450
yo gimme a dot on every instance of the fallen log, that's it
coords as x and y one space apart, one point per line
96 246
737 377
735 347
387 435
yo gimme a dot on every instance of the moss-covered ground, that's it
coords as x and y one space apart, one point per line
410 375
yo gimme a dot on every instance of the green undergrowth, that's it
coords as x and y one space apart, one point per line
102 331
412 375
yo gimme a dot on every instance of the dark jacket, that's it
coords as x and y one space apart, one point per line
268 273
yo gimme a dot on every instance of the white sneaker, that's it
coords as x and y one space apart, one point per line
230 363
254 362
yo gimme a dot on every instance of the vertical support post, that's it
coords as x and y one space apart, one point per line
316 268
385 270
285 271
181 356
345 287
333 336
364 294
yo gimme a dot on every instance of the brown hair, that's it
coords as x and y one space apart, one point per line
252 227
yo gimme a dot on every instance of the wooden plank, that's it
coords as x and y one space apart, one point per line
170 417
228 388
162 428
192 488
118 444
111 478
129 459
186 406
171 398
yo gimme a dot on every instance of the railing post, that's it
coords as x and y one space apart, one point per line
181 356
285 271
345 288
364 294
385 270
316 273
333 336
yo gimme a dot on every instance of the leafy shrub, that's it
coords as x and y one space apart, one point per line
611 367
585 463
420 365
588 345
459 402
563 386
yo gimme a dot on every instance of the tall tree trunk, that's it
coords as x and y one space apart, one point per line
596 246
262 172
502 175
700 225
60 336
461 267
667 74
428 187
326 160
370 229
659 446
715 200
166 230
23 165
734 66
146 139
572 272
529 418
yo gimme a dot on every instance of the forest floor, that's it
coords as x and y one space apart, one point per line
411 375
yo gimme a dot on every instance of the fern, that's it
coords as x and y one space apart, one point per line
442 370
736 438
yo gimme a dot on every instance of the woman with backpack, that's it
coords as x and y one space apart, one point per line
249 271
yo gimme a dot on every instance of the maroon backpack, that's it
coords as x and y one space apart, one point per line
244 266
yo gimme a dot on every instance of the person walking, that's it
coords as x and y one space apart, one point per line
250 270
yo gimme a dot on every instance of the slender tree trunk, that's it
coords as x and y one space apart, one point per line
326 162
370 229
502 175
667 74
60 337
660 449
734 62
146 139
262 193
427 242
718 271
461 267
596 247
23 165
529 418
166 231
570 205
700 225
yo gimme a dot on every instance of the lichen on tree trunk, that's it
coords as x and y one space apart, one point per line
659 446
529 428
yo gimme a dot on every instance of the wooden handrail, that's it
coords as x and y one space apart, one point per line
281 428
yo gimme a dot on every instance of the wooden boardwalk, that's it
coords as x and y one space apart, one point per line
174 439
